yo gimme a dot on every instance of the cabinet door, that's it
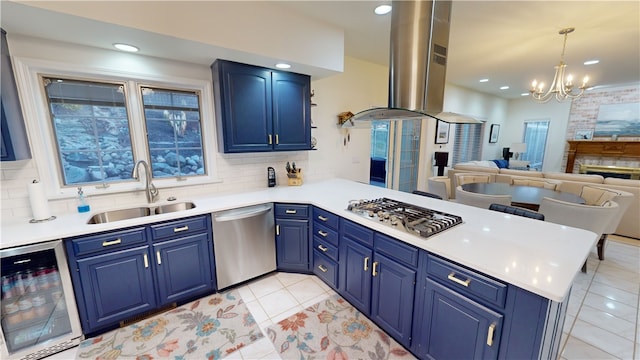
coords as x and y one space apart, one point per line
116 286
246 108
455 327
392 298
292 245
355 270
291 111
184 268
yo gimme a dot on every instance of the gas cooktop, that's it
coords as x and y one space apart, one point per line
410 218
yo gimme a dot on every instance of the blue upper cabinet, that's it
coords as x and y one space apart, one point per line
260 109
15 145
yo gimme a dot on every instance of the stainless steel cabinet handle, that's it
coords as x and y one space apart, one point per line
158 257
289 211
374 272
453 278
270 142
184 228
322 268
146 261
492 329
323 233
277 141
322 218
114 242
323 248
278 230
366 263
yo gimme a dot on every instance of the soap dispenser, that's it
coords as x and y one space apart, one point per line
83 206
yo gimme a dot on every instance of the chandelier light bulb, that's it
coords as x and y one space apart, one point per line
561 91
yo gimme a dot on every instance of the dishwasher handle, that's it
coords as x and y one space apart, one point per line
242 213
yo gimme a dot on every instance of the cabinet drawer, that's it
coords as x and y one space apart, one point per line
179 227
327 249
325 233
292 211
396 250
108 241
357 232
325 268
467 282
326 218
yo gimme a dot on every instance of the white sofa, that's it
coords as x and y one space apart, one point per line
573 183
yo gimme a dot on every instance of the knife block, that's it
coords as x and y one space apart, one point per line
294 179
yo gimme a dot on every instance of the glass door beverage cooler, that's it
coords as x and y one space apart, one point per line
39 314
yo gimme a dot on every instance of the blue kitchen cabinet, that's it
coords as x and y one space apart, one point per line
378 278
122 274
292 237
260 109
356 259
457 327
15 144
183 267
115 286
394 279
326 245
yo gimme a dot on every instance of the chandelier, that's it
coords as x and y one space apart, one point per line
561 91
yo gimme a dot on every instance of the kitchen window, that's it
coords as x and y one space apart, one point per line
88 126
92 130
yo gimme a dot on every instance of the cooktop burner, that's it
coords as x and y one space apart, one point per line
410 218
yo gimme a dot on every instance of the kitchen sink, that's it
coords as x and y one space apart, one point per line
122 214
132 213
169 208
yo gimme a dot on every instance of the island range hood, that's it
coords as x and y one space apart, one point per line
417 67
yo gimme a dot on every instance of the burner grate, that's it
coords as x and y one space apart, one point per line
414 219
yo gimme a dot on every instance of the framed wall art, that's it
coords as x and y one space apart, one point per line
493 135
583 135
442 132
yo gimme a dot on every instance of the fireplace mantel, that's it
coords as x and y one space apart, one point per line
619 149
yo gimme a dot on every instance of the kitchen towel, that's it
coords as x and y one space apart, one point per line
38 199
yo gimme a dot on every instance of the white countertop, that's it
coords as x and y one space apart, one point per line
537 256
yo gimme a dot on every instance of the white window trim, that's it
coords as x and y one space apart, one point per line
43 147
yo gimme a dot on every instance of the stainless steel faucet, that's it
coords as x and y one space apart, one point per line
150 189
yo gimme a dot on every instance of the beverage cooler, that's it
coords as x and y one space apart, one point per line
39 315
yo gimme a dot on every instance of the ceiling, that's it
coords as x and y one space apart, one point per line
508 42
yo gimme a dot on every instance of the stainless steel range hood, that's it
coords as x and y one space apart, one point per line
418 59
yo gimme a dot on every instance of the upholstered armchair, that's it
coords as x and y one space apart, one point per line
588 217
440 185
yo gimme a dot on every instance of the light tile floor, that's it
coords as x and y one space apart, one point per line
603 316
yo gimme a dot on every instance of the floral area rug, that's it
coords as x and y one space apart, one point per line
333 329
209 328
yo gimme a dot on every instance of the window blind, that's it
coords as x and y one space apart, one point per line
467 145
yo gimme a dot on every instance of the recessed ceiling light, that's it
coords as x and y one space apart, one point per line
504 87
126 47
484 80
382 9
524 94
283 66
591 62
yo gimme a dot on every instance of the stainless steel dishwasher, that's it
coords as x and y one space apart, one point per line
244 243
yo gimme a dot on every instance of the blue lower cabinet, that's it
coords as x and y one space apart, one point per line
120 275
114 287
355 270
292 245
183 267
455 327
393 296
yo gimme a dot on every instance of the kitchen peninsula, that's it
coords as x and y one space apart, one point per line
512 258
